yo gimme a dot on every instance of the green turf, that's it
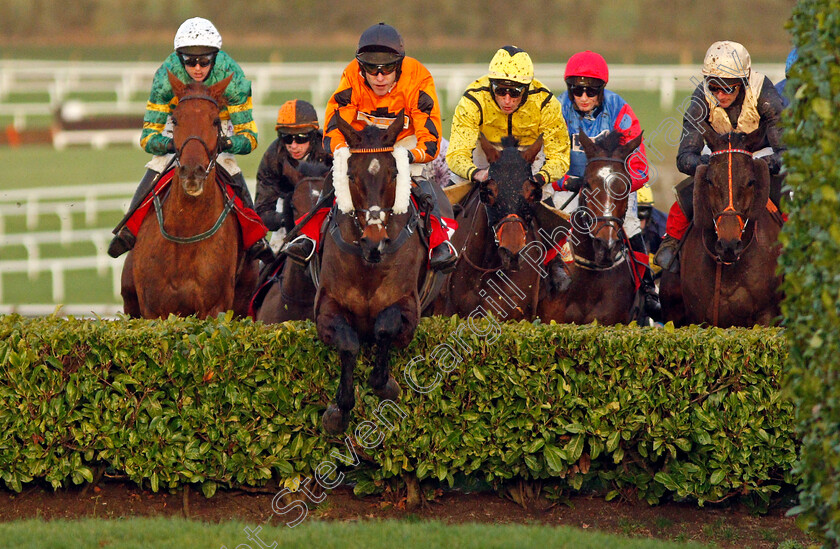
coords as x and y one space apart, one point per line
176 533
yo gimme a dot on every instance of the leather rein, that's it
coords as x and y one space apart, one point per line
213 156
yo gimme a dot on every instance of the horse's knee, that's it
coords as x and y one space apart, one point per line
388 323
345 337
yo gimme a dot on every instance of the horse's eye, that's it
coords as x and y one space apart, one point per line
174 121
750 183
218 123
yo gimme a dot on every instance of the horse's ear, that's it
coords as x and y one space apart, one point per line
588 145
178 87
290 172
531 152
217 90
712 137
354 140
752 141
491 152
394 130
628 148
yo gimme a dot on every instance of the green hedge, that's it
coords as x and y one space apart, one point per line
654 413
811 249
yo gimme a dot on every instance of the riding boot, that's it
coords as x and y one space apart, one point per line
301 247
260 249
667 256
443 256
653 308
124 240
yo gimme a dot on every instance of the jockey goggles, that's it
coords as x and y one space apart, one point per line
374 70
502 90
299 138
591 91
200 60
715 88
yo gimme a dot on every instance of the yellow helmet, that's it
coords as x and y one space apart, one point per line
644 196
513 64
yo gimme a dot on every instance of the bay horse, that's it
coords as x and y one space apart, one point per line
372 260
728 259
603 285
189 258
292 293
495 273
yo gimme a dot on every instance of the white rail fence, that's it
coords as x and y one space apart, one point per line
130 82
31 205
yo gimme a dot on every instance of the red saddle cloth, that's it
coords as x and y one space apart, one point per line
250 222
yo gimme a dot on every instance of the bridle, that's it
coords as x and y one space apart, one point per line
608 220
373 216
729 210
213 156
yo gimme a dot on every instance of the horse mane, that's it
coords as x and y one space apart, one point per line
200 88
509 141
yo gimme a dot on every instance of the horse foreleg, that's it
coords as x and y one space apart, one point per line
340 334
128 290
246 285
389 324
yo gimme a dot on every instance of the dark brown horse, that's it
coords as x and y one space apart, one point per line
603 280
497 241
189 258
372 261
292 293
728 259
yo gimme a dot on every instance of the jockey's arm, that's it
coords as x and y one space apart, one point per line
691 140
556 144
637 166
463 139
425 117
240 109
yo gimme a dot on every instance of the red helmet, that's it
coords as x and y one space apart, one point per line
587 64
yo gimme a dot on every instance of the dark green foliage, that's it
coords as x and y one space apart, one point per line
810 260
648 413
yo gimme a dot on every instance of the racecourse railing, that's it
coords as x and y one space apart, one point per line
129 83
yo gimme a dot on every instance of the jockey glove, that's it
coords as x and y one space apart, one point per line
704 159
272 219
538 179
773 163
572 184
226 144
170 147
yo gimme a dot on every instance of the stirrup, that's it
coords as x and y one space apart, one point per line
292 247
448 265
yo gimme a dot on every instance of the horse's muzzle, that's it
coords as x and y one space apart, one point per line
605 249
729 250
372 251
192 179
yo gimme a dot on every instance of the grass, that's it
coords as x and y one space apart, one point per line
178 533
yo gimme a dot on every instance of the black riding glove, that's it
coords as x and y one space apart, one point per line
573 184
272 219
773 163
704 159
538 179
226 144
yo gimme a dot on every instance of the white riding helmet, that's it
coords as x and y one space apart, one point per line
197 34
727 59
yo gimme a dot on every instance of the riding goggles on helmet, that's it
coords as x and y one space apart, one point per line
502 90
591 91
299 138
200 60
374 70
719 87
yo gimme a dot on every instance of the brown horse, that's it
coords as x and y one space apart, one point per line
603 279
189 258
497 241
372 261
292 293
728 258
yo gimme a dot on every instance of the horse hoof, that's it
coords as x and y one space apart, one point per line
334 420
390 391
